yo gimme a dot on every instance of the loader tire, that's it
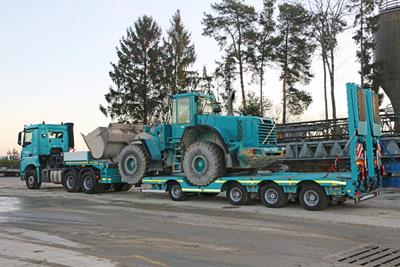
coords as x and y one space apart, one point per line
132 164
203 162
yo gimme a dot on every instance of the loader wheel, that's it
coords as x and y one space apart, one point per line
31 180
89 183
132 164
71 182
203 162
237 194
313 197
273 196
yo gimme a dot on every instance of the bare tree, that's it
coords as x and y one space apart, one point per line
328 22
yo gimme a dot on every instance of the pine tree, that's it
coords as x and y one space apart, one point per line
233 28
294 53
179 55
137 94
366 24
264 45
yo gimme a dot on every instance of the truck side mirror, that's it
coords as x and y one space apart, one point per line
217 108
20 138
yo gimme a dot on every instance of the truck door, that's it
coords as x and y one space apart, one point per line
29 144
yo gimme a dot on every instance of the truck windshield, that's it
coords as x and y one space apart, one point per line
204 105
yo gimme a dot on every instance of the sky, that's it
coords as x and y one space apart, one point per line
55 57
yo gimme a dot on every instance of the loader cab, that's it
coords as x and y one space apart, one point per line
186 106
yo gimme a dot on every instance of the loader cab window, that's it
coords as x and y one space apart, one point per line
27 138
204 105
181 110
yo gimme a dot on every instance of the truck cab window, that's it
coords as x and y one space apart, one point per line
27 138
55 135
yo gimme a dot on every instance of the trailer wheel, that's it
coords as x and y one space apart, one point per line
237 194
313 197
71 182
175 192
203 162
273 196
89 183
31 180
132 164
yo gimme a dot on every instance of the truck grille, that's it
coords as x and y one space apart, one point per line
266 130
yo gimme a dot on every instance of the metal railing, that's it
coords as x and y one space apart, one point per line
387 5
329 129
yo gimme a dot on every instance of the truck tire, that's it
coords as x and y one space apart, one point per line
203 162
70 181
88 183
175 192
273 196
237 194
313 197
132 164
31 180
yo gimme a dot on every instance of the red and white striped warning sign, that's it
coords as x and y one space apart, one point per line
359 150
379 151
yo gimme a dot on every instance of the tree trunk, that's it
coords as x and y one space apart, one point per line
242 82
325 87
261 90
332 79
145 119
284 97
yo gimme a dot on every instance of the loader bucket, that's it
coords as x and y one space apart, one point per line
107 142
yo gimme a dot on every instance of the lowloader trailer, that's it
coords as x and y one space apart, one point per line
314 191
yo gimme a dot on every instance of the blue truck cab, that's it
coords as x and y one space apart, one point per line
46 158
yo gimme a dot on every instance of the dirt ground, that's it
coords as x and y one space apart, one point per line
50 227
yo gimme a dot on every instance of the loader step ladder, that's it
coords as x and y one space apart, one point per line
177 160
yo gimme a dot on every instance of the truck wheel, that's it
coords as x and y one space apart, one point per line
273 196
132 164
122 187
176 193
31 180
237 194
70 181
89 183
313 197
203 162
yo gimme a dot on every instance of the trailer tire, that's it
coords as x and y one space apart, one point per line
132 164
203 162
313 197
175 192
31 180
88 183
71 181
237 194
273 196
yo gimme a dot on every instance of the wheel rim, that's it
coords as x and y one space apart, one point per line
31 179
130 164
70 182
311 198
87 183
199 164
236 194
271 196
176 191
